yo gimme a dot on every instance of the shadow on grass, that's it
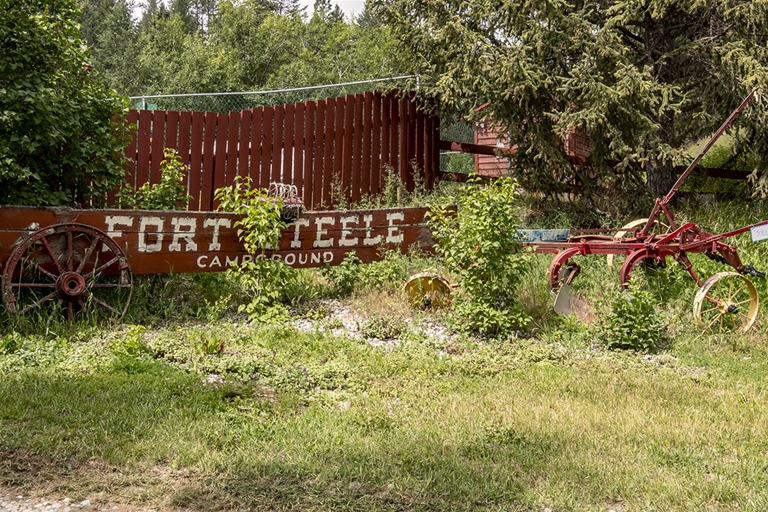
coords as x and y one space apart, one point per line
159 436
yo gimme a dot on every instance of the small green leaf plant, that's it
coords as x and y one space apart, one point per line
478 241
169 194
633 323
263 278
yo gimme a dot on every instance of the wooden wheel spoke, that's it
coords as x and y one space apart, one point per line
53 256
94 243
103 304
101 268
37 303
70 251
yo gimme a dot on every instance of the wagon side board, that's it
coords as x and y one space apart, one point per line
159 242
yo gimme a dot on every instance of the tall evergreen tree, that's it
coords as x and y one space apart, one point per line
643 78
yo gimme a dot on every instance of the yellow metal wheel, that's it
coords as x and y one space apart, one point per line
658 228
426 289
726 302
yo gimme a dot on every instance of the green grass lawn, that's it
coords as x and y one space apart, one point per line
309 421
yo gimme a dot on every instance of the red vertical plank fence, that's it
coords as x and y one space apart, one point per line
346 143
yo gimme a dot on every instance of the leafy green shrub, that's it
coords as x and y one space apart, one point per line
345 275
478 243
169 194
351 273
264 279
633 323
60 143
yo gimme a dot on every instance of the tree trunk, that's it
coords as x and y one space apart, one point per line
660 177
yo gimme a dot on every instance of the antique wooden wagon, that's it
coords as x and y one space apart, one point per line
84 260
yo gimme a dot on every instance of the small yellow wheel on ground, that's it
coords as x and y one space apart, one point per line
426 289
658 228
726 302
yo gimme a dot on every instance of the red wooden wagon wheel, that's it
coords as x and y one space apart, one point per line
67 267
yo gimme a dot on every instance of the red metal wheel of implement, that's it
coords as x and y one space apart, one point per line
557 263
69 269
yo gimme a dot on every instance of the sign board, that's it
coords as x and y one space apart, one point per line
759 232
159 242
543 235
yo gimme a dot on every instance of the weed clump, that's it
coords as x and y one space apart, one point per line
633 323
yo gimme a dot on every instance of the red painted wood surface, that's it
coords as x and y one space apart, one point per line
233 137
403 147
209 153
158 242
338 143
131 150
288 141
420 149
386 114
298 166
357 157
376 149
309 153
365 180
394 142
346 165
317 164
145 125
267 131
196 160
185 124
257 140
172 130
244 144
220 157
157 145
330 141
411 127
277 145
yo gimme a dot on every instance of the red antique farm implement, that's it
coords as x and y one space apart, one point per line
726 299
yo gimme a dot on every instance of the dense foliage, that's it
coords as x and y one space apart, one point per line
478 243
186 46
643 78
58 144
169 194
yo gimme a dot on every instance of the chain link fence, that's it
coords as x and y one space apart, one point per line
235 101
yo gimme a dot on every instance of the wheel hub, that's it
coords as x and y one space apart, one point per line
70 286
726 307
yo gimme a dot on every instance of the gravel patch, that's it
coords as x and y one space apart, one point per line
12 501
342 321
